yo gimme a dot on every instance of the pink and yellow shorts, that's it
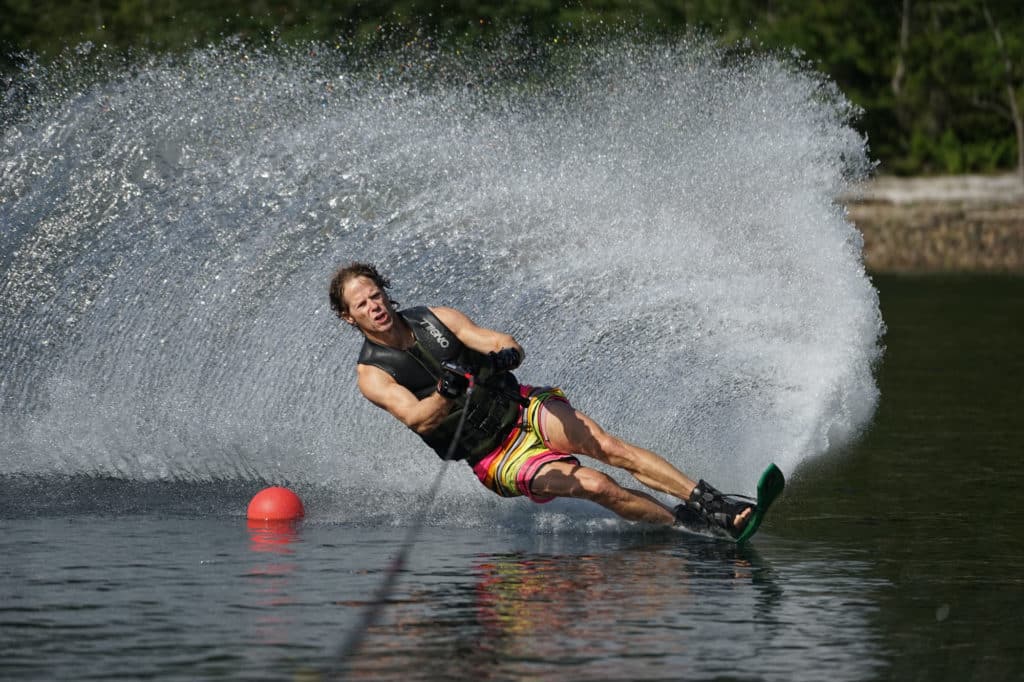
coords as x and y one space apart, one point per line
510 468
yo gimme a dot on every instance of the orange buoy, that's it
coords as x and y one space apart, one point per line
275 504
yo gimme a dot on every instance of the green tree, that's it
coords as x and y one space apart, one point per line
940 81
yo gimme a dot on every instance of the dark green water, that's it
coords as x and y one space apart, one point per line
931 495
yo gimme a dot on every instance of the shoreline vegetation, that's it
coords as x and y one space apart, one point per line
939 87
964 223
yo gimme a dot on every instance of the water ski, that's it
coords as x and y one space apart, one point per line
769 486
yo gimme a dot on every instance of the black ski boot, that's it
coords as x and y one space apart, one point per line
708 509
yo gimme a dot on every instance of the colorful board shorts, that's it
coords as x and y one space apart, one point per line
510 468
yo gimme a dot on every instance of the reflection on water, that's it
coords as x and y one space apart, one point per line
271 581
272 536
199 598
666 606
611 607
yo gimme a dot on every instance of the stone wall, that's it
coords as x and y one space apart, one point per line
958 224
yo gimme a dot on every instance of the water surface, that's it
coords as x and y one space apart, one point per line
655 223
880 562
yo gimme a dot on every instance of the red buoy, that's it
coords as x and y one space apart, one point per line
275 504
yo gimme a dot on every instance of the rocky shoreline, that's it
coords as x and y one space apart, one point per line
943 224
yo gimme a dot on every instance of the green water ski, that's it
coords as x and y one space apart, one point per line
769 487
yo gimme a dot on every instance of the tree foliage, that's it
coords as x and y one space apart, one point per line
941 82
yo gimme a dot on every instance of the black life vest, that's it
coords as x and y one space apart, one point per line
493 409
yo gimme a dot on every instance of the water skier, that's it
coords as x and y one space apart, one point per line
519 440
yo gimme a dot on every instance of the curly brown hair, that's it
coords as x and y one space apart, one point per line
355 269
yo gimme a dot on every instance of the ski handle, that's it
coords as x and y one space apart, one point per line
456 368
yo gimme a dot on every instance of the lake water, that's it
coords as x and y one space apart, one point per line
655 223
897 558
